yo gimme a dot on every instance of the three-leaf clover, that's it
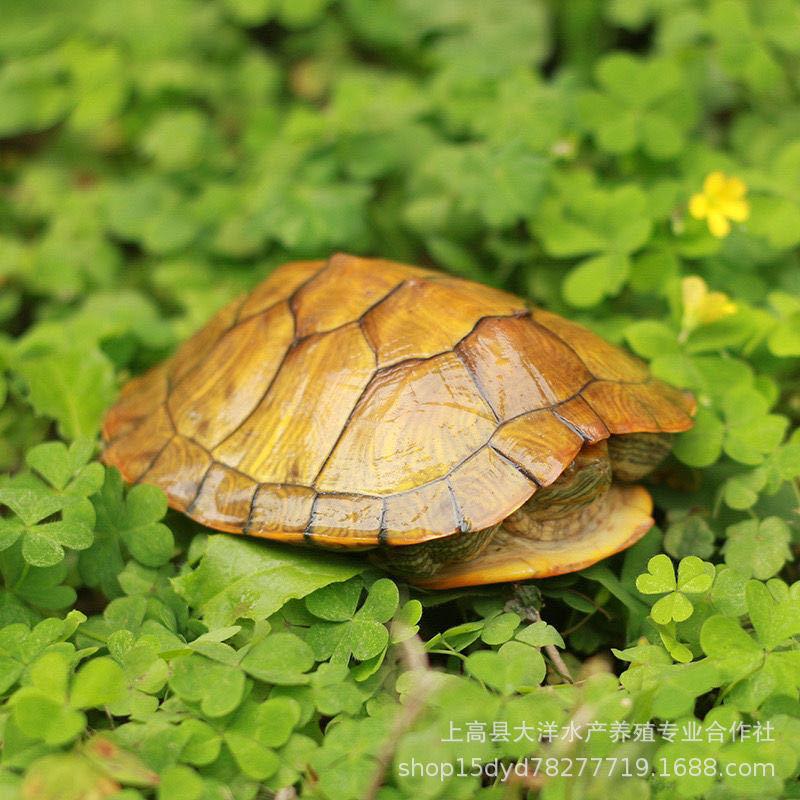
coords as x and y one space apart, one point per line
50 707
210 674
51 509
695 576
765 662
603 226
21 646
758 548
345 629
640 103
131 521
515 667
145 671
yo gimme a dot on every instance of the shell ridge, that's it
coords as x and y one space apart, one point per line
345 426
460 521
307 282
368 340
563 341
191 506
308 535
551 408
641 406
261 399
420 359
300 339
229 327
249 521
156 457
478 385
383 299
574 428
382 532
239 307
516 466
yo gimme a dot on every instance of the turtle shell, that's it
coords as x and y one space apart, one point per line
355 402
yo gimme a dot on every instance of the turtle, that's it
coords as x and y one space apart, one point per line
457 433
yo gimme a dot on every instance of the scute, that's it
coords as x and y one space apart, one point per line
182 465
141 397
485 487
425 317
417 515
280 512
506 346
319 307
236 370
282 284
602 359
358 401
191 354
289 434
225 498
539 443
413 425
345 520
134 450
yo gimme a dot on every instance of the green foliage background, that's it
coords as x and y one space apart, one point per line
159 156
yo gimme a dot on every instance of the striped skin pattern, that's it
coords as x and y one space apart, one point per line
359 402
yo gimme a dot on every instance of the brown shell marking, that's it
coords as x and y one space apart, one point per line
358 401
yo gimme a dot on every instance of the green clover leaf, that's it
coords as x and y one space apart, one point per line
690 535
50 708
67 470
515 667
256 729
134 519
695 576
265 579
674 606
500 628
540 634
404 623
659 578
73 386
67 479
281 658
759 666
606 226
216 686
32 501
146 673
758 548
364 635
20 645
751 432
774 611
679 651
641 102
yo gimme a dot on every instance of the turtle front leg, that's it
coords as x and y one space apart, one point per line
635 455
580 519
426 559
566 507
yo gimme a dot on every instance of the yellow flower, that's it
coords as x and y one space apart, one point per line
721 200
701 306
